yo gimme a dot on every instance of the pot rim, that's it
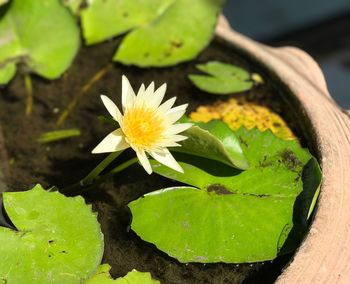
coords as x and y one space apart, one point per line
324 255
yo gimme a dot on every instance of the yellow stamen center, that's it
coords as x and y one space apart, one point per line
142 127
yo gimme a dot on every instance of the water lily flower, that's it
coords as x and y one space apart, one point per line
146 125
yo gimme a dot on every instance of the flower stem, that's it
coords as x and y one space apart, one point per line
117 169
29 91
89 179
101 179
92 179
99 168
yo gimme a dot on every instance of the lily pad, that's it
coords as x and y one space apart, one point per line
161 33
232 216
222 78
42 35
58 239
102 276
7 73
74 5
104 19
214 140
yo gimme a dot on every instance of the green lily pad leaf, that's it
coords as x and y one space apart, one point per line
58 239
7 73
312 177
214 140
102 276
229 215
162 33
104 19
44 36
222 78
74 5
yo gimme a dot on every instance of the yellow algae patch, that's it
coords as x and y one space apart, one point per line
237 112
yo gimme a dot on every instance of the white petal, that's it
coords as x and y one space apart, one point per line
175 116
166 106
113 142
141 90
177 128
178 138
150 89
169 144
143 97
158 96
112 108
141 155
128 95
167 159
177 109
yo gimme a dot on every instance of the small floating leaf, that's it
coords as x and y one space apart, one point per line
162 33
58 239
229 215
221 78
42 35
54 136
102 276
214 140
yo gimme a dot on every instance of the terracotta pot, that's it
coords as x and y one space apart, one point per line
324 256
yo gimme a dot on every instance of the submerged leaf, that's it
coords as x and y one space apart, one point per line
43 35
232 216
222 78
162 33
214 140
58 135
102 276
58 239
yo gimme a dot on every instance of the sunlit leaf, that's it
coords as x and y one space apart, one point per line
222 78
161 33
41 34
214 140
230 215
58 239
102 276
104 19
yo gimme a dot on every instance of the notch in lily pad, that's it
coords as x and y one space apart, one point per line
57 238
232 216
103 276
222 78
